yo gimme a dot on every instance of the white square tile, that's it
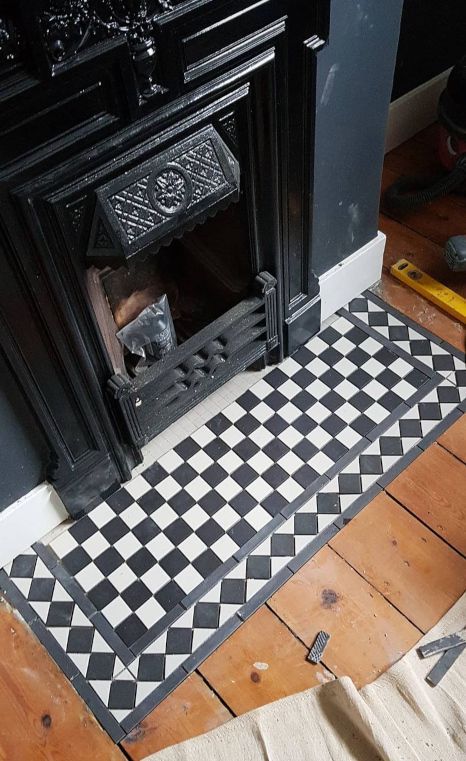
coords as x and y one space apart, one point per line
192 547
133 515
100 516
160 546
262 412
137 487
203 436
321 463
260 462
116 611
188 579
289 412
168 487
89 577
347 412
258 517
226 517
155 578
230 461
319 437
290 462
290 436
164 516
195 517
64 543
228 488
224 547
170 461
197 488
290 489
128 545
259 489
122 577
232 436
261 436
233 412
289 389
150 612
200 461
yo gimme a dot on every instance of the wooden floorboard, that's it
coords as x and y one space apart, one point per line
367 634
190 710
434 489
454 440
414 569
41 716
261 662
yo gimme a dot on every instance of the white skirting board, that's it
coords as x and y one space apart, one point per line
353 275
28 519
414 111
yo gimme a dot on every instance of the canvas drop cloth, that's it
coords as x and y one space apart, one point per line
399 717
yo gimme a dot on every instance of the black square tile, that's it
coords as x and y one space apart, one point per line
60 613
275 449
398 333
174 562
303 356
114 530
332 401
282 546
390 445
23 567
430 411
356 335
219 424
211 502
305 450
385 356
328 502
248 401
76 560
108 561
178 531
206 615
241 532
209 532
390 401
181 502
244 475
184 474
187 448
304 378
233 591
275 475
276 377
216 448
359 378
246 449
361 401
410 429
335 449
179 641
170 595
416 378
120 500
330 356
358 305
146 530
247 424
101 666
141 561
304 400
102 594
329 335
421 348
122 695
214 474
443 362
151 667
305 524
363 425
151 501
358 356
41 590
80 639
273 503
370 464
136 594
131 629
154 474
305 476
275 400
333 424
388 378
83 529
331 378
304 424
349 483
258 567
378 318
276 425
207 563
448 395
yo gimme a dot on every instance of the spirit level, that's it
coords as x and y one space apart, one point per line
431 289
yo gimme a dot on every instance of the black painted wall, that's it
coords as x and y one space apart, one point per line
355 73
432 38
22 450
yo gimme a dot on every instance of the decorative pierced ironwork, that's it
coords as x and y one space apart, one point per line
11 41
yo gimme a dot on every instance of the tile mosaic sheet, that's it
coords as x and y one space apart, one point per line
133 596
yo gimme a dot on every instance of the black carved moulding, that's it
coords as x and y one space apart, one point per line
162 198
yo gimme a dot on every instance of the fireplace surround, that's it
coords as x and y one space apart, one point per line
141 137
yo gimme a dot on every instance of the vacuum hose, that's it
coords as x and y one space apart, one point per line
409 193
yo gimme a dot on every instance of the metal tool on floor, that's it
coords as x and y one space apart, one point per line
317 650
431 289
451 646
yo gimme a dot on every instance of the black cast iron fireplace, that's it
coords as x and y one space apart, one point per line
150 147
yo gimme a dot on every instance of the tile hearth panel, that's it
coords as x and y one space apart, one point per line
133 596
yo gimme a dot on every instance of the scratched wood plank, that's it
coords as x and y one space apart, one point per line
367 634
412 567
41 716
189 711
261 662
434 489
454 439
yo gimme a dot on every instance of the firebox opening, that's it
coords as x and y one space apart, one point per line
203 274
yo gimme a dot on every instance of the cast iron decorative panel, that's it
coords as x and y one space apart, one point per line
131 598
163 197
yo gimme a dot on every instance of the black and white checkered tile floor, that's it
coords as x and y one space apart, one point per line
132 597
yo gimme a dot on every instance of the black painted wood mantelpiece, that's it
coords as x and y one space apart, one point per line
97 96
